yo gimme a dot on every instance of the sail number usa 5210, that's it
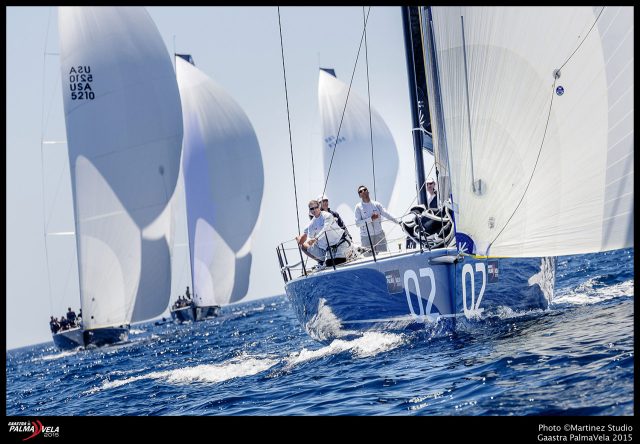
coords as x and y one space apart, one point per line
80 79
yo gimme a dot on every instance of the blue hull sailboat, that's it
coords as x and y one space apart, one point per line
530 115
124 132
223 186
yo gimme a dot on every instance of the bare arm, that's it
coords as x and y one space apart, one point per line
300 239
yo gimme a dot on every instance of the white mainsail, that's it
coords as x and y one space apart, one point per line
224 180
124 132
352 164
540 164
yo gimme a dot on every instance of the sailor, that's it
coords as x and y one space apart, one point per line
432 198
187 294
64 324
322 228
368 214
324 206
53 325
71 316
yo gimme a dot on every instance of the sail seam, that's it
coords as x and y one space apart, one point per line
466 84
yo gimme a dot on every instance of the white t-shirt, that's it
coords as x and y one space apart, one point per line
325 222
364 211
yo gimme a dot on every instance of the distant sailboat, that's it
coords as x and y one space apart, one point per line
352 162
532 118
124 132
224 179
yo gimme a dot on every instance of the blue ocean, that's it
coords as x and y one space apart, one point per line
576 358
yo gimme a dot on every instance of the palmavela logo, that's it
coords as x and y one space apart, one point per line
33 429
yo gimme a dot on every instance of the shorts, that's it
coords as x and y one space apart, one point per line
378 240
322 254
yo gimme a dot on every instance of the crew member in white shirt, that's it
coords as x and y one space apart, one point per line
368 214
314 242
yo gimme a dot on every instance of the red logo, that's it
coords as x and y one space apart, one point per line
34 428
37 429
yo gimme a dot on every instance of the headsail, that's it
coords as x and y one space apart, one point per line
352 165
541 160
224 180
124 131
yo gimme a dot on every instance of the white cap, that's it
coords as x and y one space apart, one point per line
322 197
431 180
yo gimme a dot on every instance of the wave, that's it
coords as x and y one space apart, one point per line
593 291
369 344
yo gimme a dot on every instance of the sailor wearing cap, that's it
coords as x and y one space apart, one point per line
324 205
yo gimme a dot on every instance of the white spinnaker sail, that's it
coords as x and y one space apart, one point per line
224 180
352 164
124 132
554 156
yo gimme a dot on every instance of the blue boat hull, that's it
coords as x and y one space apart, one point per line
77 337
207 312
406 291
195 313
183 314
106 336
69 339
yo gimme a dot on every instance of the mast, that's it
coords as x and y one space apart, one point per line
417 89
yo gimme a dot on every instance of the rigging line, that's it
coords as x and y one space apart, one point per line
544 136
44 224
466 83
584 39
346 101
418 190
63 173
414 200
366 58
286 94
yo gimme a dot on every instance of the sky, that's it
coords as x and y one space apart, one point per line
239 48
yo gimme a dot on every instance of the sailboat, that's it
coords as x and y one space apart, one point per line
353 149
124 132
531 112
223 181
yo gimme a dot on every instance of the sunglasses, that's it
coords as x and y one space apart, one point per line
362 191
313 208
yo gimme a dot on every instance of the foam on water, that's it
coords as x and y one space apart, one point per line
592 292
369 344
244 365
59 355
325 324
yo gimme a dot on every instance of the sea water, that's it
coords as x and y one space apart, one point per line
576 358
